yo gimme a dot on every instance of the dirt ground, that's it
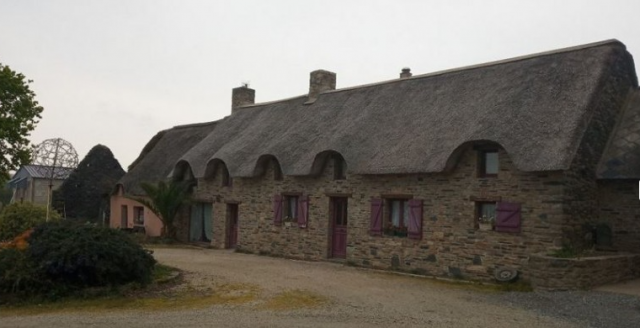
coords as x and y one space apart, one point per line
256 291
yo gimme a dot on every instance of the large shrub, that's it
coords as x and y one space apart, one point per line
77 255
18 273
18 217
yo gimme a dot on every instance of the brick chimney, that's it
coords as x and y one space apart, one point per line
242 96
406 72
319 82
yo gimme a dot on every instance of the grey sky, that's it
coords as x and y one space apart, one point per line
117 72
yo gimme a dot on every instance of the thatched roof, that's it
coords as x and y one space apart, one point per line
159 156
535 107
621 159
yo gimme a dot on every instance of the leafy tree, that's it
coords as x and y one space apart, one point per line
5 196
165 200
85 193
19 114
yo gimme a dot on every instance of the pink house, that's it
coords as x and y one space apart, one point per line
156 161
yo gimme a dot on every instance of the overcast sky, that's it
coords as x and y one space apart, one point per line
117 72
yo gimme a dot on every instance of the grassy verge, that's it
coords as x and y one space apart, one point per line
105 298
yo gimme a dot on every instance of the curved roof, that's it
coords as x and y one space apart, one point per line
161 153
536 107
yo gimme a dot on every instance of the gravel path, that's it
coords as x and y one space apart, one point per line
356 298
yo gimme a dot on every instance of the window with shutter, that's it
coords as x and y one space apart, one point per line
375 228
397 218
303 212
508 217
415 219
277 210
290 210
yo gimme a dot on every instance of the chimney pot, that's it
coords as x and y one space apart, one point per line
320 81
242 96
406 72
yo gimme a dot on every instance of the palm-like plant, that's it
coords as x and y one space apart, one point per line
165 199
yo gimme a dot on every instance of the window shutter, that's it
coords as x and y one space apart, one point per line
376 217
414 231
508 217
277 210
303 211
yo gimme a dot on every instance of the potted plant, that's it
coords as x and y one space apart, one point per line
485 223
392 230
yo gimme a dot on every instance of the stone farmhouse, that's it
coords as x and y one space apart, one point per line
402 174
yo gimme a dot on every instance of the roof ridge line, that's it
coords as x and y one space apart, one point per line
487 64
191 125
454 70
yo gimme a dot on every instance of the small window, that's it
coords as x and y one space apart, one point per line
138 215
488 163
485 213
339 168
397 217
277 171
291 208
227 181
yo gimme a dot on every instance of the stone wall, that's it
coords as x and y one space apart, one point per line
581 196
619 208
551 273
451 245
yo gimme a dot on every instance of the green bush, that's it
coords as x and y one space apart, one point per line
19 217
18 273
76 256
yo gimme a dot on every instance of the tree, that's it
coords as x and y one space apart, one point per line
85 193
165 200
19 114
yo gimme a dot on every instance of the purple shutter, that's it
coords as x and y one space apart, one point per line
277 210
303 211
376 217
414 231
508 217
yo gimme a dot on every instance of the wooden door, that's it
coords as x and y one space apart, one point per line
338 210
232 230
124 217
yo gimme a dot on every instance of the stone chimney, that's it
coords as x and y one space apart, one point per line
242 96
406 72
319 82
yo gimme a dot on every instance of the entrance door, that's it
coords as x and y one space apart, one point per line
124 217
232 231
339 227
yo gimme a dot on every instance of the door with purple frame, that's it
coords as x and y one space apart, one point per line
232 227
338 208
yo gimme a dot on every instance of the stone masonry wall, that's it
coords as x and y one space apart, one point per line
451 245
581 196
620 209
550 273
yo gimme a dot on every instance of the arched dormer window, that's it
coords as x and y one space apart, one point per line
268 163
339 167
226 180
277 171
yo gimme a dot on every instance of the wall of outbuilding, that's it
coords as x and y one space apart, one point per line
581 196
619 209
450 244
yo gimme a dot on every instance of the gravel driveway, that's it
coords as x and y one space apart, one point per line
349 297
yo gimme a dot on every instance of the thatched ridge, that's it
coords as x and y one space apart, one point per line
535 107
